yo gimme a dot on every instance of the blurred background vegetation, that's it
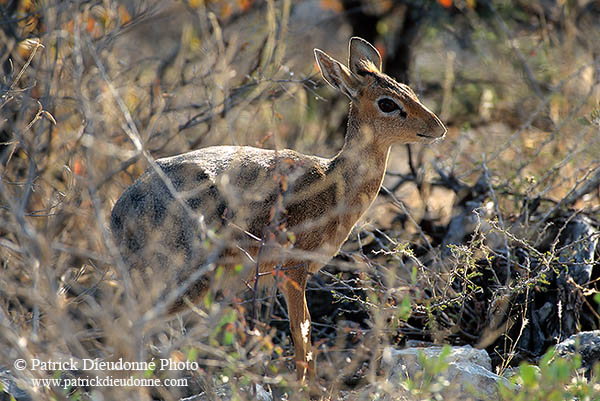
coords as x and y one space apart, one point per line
473 240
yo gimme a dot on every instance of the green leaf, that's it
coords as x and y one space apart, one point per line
405 309
445 352
584 121
547 358
192 354
150 371
219 272
208 300
528 375
597 298
228 337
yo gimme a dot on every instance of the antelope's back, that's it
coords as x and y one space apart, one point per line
229 193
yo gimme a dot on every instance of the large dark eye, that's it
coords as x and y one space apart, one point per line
387 105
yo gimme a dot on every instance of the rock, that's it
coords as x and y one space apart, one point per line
376 392
579 240
586 344
451 373
9 387
224 393
467 376
262 394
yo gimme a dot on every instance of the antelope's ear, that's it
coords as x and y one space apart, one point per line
363 57
337 75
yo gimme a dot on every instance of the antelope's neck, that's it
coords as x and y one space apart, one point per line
359 168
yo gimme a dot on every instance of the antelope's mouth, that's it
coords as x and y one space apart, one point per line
427 136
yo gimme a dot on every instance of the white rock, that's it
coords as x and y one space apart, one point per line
224 394
468 375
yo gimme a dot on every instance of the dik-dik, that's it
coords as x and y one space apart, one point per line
220 218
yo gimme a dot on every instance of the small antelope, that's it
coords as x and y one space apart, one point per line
223 217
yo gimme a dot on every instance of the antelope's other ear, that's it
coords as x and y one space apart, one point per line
337 75
363 56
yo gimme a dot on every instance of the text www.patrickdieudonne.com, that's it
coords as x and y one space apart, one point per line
108 381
